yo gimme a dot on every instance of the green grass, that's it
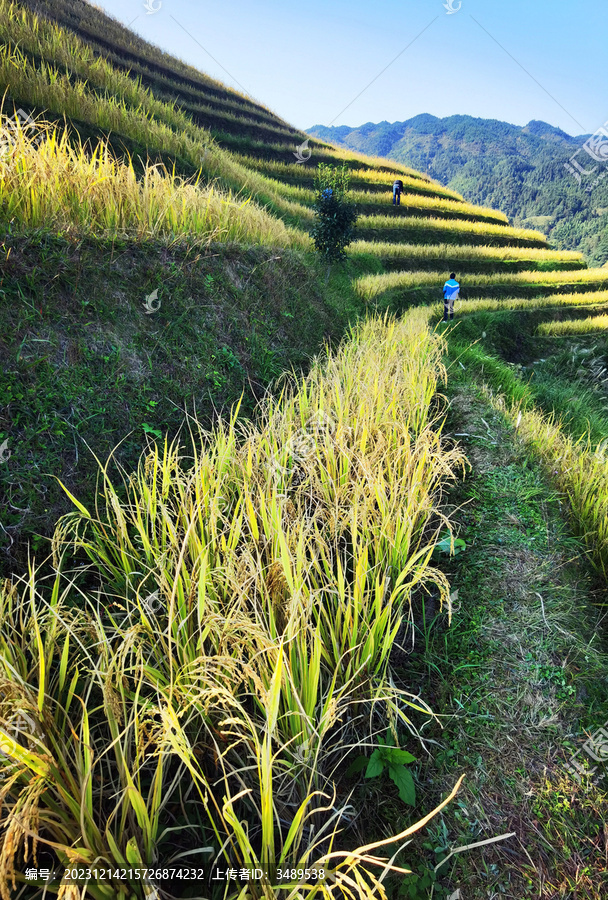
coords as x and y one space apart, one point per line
561 422
520 675
555 386
83 366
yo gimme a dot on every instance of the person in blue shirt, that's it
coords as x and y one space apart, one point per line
397 188
450 293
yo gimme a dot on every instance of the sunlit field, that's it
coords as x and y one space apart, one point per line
371 286
281 560
69 188
294 573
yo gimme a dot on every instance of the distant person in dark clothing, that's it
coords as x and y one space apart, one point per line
397 188
450 293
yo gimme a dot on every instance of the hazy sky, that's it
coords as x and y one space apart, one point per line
309 59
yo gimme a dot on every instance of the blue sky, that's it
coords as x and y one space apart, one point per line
309 59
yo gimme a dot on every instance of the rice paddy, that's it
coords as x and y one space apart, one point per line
369 179
198 668
430 230
410 203
371 286
578 467
574 326
464 254
552 301
70 189
265 632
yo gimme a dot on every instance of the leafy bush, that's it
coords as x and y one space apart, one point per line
335 216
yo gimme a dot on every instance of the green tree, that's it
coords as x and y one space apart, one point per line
335 215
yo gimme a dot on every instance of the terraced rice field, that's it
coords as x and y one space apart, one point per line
244 713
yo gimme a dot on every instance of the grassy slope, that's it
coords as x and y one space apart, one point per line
84 365
521 673
42 387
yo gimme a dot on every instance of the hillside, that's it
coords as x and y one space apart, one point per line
163 116
296 578
519 170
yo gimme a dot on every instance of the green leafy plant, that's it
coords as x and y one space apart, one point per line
390 757
416 886
439 844
556 675
335 215
444 545
149 430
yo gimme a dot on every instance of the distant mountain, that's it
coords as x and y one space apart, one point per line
519 170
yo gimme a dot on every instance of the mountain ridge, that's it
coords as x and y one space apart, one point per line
520 169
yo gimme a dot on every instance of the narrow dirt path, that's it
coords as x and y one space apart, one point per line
521 677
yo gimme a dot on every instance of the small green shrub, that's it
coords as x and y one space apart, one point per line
394 760
335 215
